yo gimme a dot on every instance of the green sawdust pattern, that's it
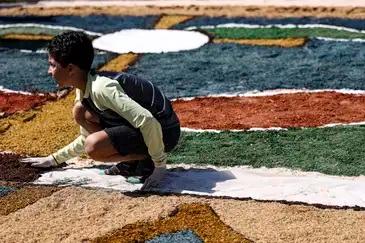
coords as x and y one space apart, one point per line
279 33
197 217
336 151
46 131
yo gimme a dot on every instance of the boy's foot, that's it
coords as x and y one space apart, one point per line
139 170
122 168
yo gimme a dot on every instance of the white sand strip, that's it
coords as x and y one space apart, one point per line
332 3
257 93
280 26
258 129
238 182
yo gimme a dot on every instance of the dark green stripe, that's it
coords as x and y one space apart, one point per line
336 151
278 33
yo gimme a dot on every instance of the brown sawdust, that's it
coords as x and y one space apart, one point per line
168 21
229 11
46 130
77 214
197 217
23 197
286 43
284 110
120 63
26 37
12 170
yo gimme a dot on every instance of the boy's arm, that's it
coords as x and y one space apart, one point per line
72 150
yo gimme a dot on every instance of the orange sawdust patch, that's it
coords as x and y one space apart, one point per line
120 63
24 196
199 218
26 37
229 11
16 102
167 22
288 42
284 110
48 129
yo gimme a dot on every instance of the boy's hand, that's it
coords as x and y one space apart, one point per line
40 162
154 179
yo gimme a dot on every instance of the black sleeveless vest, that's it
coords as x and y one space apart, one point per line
145 94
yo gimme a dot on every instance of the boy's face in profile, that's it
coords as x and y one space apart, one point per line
59 73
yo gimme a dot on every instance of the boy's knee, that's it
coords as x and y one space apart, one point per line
91 145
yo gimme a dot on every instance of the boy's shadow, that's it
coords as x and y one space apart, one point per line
193 180
178 180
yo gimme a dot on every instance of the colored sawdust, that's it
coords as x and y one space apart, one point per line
50 129
12 170
23 197
284 110
197 217
17 102
229 11
288 42
77 214
276 222
120 63
26 37
166 22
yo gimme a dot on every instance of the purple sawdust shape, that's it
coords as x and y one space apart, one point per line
12 170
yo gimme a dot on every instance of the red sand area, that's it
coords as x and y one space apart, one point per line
14 102
284 110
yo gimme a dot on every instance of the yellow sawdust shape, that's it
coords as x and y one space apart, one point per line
40 132
287 42
26 37
200 218
120 63
166 22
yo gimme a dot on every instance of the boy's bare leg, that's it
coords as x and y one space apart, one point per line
85 118
99 147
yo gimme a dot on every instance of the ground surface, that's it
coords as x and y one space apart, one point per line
248 81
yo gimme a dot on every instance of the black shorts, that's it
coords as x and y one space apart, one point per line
129 140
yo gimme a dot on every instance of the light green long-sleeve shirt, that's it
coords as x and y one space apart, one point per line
106 94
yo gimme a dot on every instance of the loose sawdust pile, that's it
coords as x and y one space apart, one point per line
285 110
76 214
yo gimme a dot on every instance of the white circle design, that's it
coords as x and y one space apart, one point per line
150 41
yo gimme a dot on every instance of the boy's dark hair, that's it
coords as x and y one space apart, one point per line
72 47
